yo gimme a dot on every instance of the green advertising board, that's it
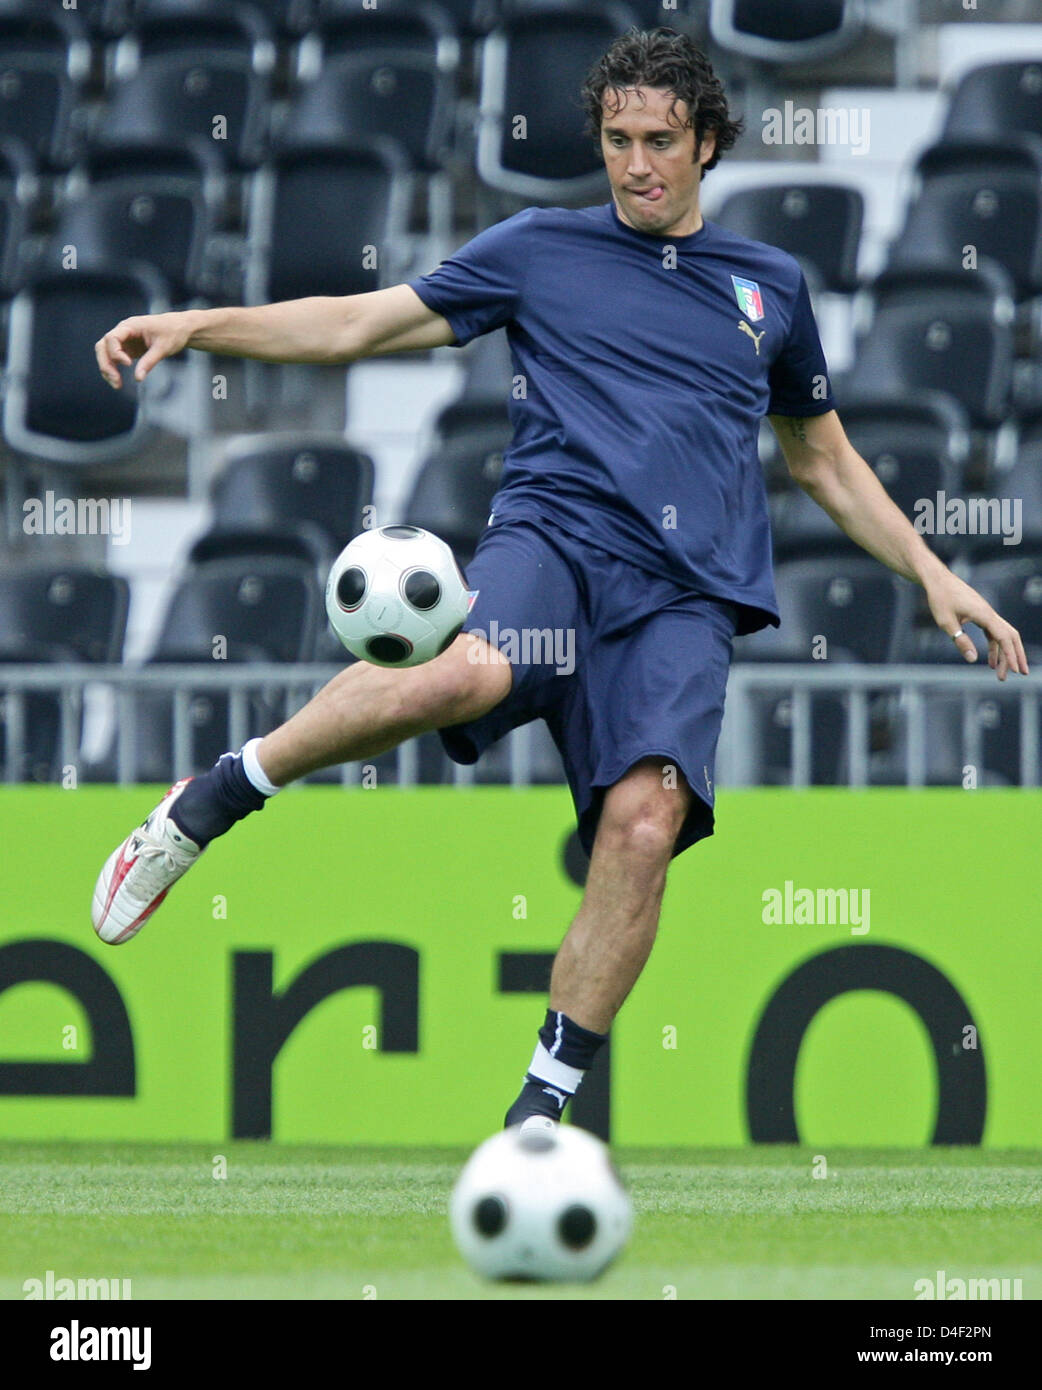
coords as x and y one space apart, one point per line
367 966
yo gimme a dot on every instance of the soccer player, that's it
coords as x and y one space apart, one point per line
632 514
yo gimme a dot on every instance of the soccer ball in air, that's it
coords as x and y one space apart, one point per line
395 596
540 1204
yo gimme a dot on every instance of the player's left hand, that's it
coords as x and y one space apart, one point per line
953 603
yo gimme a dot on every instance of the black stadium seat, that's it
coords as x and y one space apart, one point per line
453 492
997 99
326 220
1013 587
797 31
818 223
855 604
18 193
940 330
407 98
72 416
218 99
138 205
71 614
532 66
45 66
175 26
985 196
393 27
313 486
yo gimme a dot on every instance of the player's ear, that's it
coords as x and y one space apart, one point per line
707 147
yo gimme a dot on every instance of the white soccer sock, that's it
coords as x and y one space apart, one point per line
555 1073
255 774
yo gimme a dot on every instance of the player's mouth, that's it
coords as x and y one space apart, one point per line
649 195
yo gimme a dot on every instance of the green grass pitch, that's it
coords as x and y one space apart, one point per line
302 1223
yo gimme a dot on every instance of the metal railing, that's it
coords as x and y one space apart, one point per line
739 757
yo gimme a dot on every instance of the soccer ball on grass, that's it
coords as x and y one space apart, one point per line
540 1204
395 596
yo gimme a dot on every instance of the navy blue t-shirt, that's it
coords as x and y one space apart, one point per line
646 364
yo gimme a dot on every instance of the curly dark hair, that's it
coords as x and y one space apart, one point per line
663 58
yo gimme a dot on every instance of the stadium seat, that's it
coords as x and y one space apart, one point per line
855 604
177 26
532 65
799 31
327 220
266 610
18 193
940 330
987 196
407 98
134 204
1013 587
219 99
818 223
393 28
45 65
453 492
71 416
72 614
997 100
308 489
77 613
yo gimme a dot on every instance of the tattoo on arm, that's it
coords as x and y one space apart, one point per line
797 428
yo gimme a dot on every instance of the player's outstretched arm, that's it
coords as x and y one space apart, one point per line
828 467
324 330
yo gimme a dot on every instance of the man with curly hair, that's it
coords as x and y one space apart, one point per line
632 515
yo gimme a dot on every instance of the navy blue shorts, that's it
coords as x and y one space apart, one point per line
621 664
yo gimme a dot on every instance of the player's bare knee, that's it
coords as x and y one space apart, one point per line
643 814
644 839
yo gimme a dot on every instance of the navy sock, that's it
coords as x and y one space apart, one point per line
212 803
564 1053
571 1044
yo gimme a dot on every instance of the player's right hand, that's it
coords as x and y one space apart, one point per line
147 339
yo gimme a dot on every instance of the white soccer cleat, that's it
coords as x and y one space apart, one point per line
138 875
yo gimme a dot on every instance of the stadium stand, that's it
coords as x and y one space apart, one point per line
392 129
